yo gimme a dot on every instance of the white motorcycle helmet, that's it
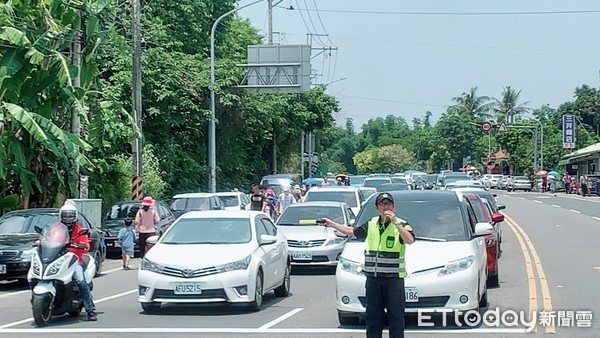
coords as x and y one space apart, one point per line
68 215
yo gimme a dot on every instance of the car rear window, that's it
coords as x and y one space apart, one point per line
229 201
293 215
191 203
438 219
348 197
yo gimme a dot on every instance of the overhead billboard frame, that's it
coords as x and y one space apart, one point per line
277 69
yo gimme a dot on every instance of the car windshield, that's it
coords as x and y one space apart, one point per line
364 194
230 201
399 180
488 196
209 231
376 183
451 179
431 178
348 197
308 215
190 203
18 224
122 211
521 178
438 219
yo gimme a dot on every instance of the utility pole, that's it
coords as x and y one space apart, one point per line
302 156
270 42
75 120
136 86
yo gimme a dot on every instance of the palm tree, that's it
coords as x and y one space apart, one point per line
476 106
507 108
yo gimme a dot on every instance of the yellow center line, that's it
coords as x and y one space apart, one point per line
530 276
547 300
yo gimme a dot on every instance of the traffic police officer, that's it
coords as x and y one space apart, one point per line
385 236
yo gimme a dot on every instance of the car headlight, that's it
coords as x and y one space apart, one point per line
54 268
456 266
335 241
242 264
151 266
351 266
26 255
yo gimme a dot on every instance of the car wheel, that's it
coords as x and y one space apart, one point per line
284 289
256 305
98 258
348 320
150 307
483 302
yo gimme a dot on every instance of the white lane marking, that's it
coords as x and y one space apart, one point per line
556 206
521 198
2 327
596 218
14 293
538 202
280 319
246 330
575 211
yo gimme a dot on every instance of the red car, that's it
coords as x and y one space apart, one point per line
492 241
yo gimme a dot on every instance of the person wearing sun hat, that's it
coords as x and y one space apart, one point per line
145 223
386 237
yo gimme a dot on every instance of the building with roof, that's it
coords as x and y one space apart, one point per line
584 161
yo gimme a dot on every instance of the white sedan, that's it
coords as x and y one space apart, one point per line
446 265
220 256
234 200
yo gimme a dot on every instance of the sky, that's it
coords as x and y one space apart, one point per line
407 57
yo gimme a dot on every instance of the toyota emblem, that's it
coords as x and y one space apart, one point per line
188 273
303 243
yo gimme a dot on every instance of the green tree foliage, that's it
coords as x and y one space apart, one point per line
386 159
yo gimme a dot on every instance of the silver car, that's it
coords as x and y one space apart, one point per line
520 183
310 243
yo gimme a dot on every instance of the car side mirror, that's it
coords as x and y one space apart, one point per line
83 232
482 229
267 239
38 229
497 217
495 195
501 206
152 239
216 207
242 206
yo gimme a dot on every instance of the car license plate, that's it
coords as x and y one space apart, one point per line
2 269
117 245
188 289
411 295
302 255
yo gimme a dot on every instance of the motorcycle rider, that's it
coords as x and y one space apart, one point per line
79 245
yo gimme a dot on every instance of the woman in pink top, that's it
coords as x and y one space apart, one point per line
145 223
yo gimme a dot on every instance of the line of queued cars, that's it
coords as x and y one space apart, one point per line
246 254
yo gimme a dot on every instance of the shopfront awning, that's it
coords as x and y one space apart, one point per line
564 162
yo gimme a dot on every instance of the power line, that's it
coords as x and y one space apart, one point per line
455 45
322 25
585 11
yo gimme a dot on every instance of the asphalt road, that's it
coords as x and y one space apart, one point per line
550 261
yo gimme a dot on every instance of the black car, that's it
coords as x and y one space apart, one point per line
114 221
18 237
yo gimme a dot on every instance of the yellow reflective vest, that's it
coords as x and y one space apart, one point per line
384 253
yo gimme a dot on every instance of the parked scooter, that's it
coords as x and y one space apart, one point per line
53 291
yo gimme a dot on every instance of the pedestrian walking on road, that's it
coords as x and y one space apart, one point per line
145 223
126 238
384 265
